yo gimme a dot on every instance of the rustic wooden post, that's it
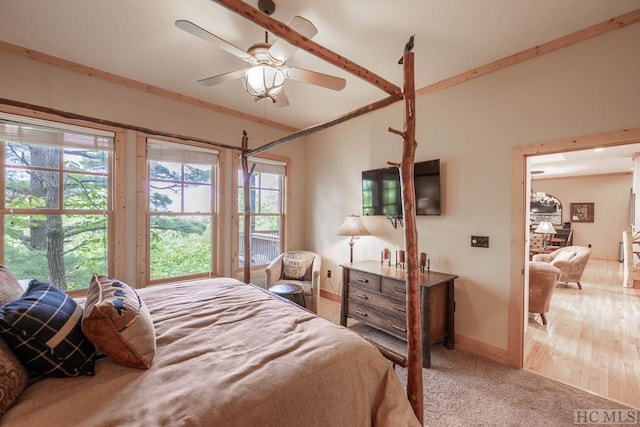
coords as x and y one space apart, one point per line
246 179
414 334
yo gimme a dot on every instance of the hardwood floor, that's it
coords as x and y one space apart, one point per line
592 337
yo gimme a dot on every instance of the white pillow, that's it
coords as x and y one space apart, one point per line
564 256
295 266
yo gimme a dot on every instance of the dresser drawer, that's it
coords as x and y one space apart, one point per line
378 301
390 324
394 288
364 280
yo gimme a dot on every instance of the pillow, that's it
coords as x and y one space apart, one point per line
10 289
118 322
13 377
43 328
295 265
564 256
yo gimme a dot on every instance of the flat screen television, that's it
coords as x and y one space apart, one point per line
426 177
381 194
381 191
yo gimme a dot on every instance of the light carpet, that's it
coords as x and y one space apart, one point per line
464 389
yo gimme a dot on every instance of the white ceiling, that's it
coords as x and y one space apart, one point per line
137 39
617 159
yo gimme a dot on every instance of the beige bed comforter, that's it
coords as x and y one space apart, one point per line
228 354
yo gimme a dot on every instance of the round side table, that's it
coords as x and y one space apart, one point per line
290 291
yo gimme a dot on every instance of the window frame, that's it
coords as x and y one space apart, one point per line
144 213
238 211
115 211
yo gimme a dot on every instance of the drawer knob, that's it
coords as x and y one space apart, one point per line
362 296
361 280
361 313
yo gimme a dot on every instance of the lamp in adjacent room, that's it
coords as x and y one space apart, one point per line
353 227
545 228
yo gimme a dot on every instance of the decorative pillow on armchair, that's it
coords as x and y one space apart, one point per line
42 327
118 322
295 265
564 256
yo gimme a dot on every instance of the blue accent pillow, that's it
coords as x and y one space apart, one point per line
43 328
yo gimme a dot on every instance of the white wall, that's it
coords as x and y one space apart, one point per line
587 88
610 195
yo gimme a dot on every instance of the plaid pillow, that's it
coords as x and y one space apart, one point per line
43 328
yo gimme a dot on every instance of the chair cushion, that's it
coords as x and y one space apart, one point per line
13 377
10 288
295 265
118 322
564 256
43 328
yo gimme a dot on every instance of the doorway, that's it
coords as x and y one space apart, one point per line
519 312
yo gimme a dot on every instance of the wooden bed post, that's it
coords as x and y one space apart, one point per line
246 175
414 334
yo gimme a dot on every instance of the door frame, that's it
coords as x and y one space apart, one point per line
520 182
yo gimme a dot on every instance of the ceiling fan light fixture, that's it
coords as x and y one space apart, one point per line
264 81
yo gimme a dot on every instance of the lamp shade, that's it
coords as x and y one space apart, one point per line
545 227
352 226
264 81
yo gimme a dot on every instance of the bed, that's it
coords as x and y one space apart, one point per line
228 354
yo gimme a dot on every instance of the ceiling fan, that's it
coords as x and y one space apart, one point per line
268 70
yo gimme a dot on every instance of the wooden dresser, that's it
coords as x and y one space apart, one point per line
376 295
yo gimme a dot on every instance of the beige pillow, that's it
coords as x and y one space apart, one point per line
564 256
13 377
117 321
10 289
295 265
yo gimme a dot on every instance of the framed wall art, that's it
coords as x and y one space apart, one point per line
581 212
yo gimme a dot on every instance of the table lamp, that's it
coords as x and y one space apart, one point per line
352 226
545 228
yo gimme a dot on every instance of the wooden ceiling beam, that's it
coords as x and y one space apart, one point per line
324 125
295 38
598 29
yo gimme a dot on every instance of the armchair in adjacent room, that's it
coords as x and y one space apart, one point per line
543 278
571 261
300 268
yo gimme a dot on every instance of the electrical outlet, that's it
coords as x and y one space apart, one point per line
479 241
329 273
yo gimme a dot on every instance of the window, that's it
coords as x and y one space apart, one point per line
56 213
266 201
181 210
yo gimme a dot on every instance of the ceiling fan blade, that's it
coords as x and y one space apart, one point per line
221 78
315 78
281 49
205 35
281 99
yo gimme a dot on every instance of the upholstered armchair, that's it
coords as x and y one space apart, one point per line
571 261
543 278
300 268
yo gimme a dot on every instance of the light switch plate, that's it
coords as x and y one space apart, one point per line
479 241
